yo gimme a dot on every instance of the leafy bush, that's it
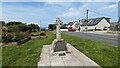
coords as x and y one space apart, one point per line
13 37
7 37
51 27
18 36
21 27
42 34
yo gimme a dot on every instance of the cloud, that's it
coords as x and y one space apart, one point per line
33 12
76 11
71 12
65 4
110 6
60 0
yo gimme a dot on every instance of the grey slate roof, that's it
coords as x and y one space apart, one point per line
94 21
70 23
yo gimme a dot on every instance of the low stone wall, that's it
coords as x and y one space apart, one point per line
15 43
34 37
23 40
63 29
8 44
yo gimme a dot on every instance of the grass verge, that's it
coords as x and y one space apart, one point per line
26 54
102 54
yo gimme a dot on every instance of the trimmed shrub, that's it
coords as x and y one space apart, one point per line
42 34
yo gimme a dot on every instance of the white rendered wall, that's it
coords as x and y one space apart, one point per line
103 23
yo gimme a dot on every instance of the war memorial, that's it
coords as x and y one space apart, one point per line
60 53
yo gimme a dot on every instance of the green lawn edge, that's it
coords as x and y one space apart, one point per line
103 54
28 54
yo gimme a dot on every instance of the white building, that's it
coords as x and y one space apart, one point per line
74 24
96 23
100 23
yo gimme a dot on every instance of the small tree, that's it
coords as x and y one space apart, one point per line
32 27
51 27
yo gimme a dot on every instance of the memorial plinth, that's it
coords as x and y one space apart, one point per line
59 46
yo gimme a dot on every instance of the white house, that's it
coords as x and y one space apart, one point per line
69 24
100 23
74 24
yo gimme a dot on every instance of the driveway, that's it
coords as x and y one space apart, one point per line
104 38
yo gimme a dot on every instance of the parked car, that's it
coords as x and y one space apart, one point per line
105 28
71 29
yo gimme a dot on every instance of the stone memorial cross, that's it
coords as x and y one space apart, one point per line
58 44
58 34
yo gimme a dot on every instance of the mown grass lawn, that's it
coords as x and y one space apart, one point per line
36 33
26 54
102 54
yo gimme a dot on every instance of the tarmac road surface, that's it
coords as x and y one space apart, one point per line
104 38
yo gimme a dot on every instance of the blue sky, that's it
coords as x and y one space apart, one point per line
44 13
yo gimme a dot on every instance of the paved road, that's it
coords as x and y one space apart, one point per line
104 38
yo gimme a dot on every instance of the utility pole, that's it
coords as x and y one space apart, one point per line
118 26
87 18
40 25
118 16
87 15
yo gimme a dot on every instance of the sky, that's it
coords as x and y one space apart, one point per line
44 13
59 0
119 9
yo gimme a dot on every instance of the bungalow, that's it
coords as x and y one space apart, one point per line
69 24
74 24
100 23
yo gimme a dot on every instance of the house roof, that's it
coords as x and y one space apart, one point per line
94 21
70 23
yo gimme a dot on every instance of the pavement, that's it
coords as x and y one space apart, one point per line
74 59
103 37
